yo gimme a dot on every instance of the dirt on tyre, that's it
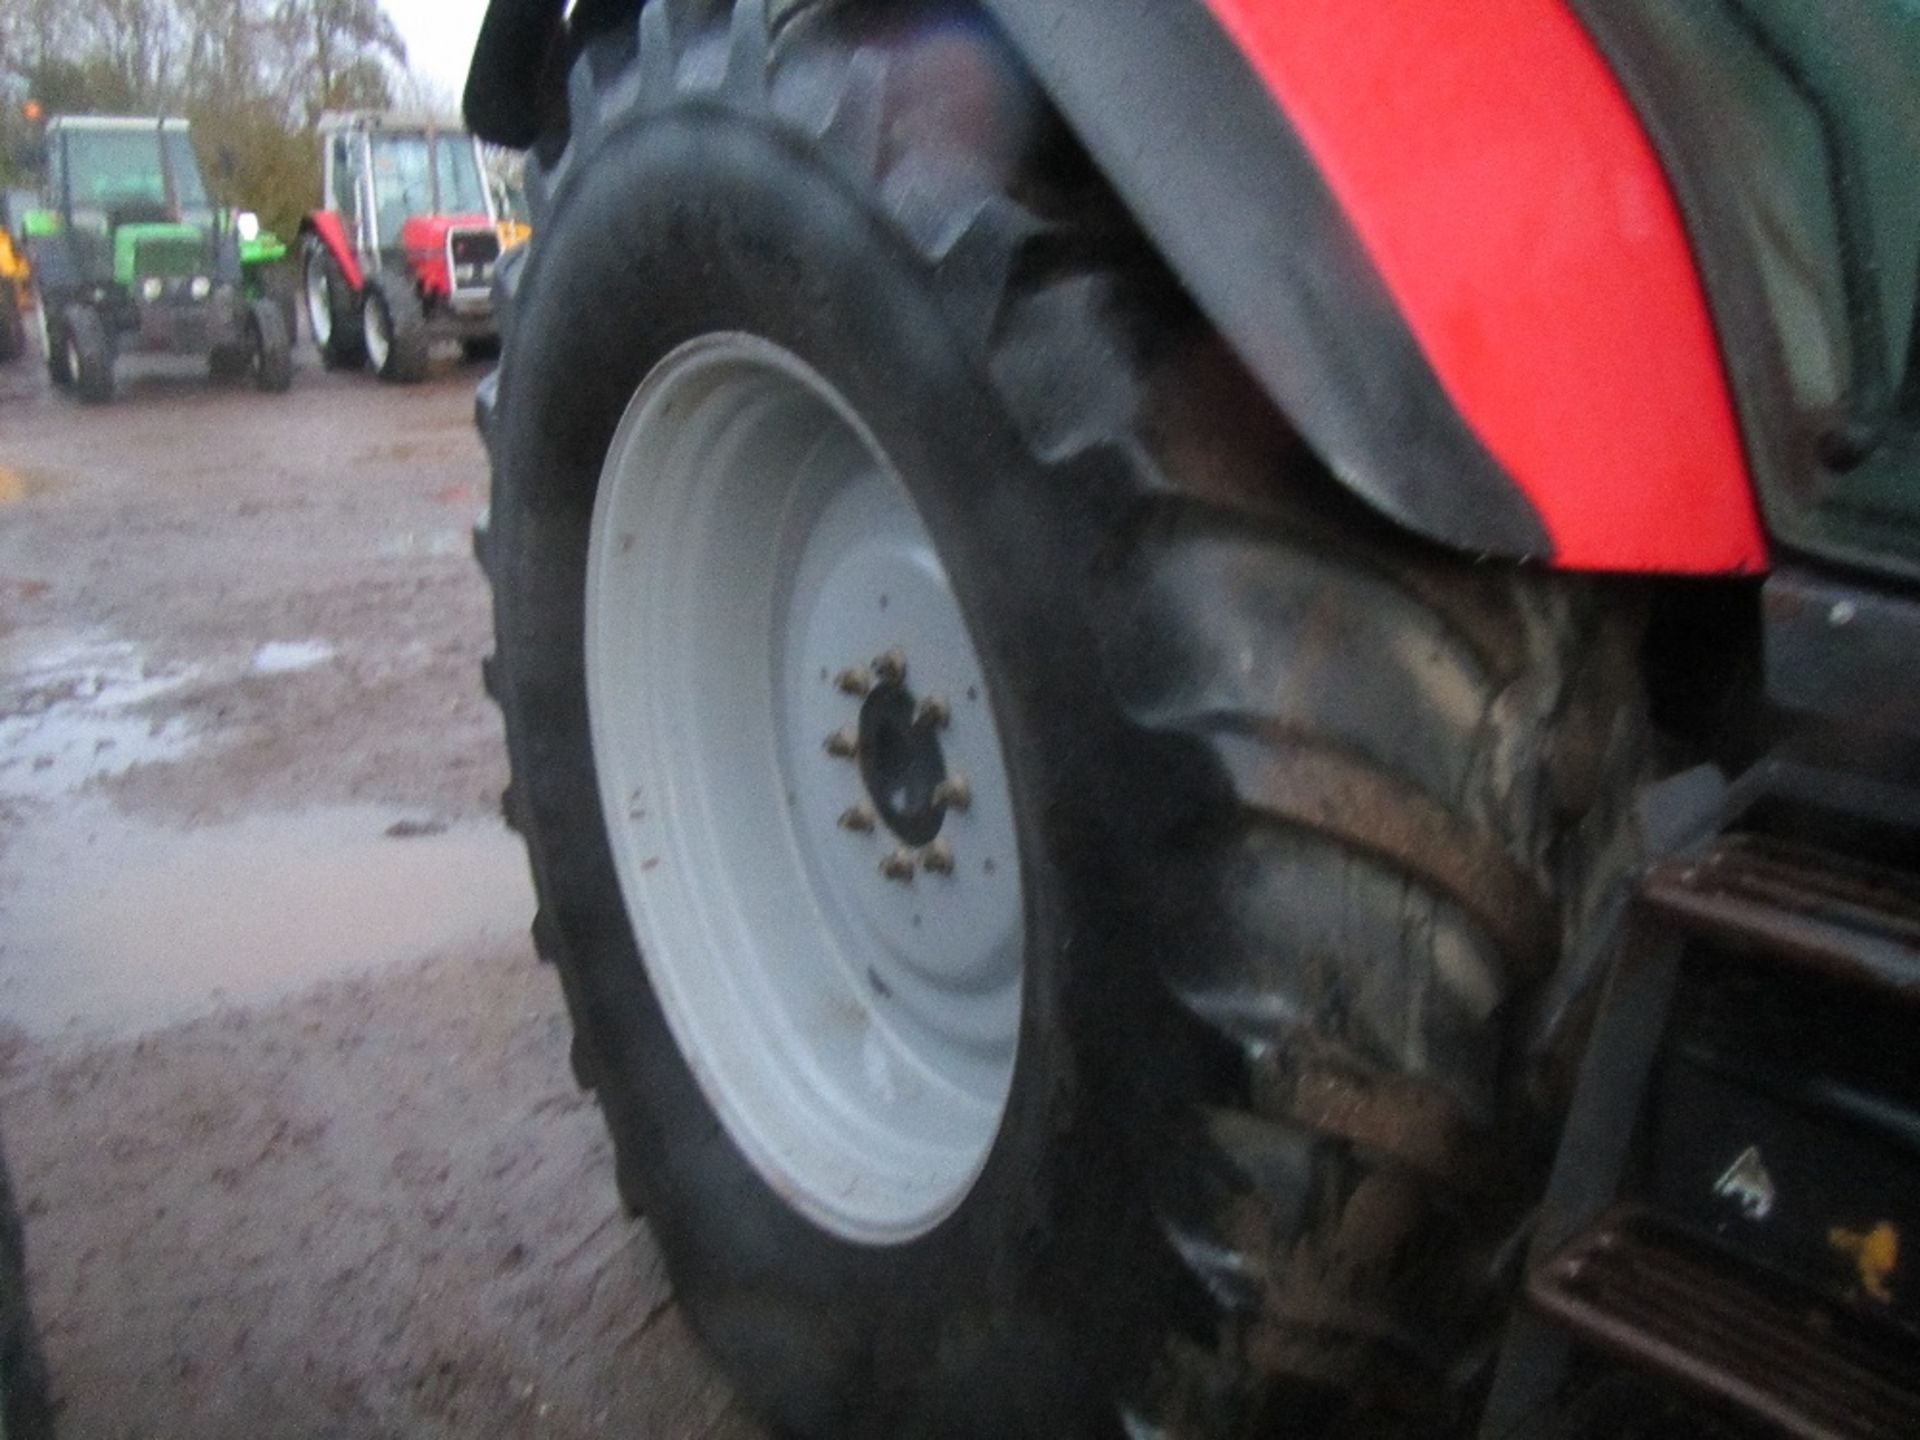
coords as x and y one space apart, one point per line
394 330
333 312
1042 884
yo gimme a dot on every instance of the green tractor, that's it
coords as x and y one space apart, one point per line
130 253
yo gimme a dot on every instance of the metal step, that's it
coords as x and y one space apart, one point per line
1809 906
1643 1290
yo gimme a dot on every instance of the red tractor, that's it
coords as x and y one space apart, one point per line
1217 702
402 251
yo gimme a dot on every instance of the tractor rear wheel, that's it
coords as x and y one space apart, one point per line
393 330
89 353
333 313
1042 884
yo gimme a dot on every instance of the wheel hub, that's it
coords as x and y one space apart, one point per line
806 791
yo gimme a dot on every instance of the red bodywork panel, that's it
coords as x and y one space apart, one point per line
424 238
1510 199
332 231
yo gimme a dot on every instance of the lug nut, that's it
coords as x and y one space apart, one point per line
890 668
854 680
898 866
954 793
859 819
844 744
933 711
938 858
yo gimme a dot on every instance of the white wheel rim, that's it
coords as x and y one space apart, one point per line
379 341
856 1033
319 303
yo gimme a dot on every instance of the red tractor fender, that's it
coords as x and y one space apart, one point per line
332 233
1509 197
1436 233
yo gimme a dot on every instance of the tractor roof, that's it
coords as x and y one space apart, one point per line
334 120
116 122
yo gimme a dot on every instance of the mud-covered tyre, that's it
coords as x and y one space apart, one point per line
89 353
270 349
333 310
25 1400
13 328
1301 808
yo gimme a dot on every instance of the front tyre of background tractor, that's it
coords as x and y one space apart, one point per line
333 314
270 348
1040 883
13 328
53 342
394 330
89 353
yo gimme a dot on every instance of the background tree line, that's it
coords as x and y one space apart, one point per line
252 75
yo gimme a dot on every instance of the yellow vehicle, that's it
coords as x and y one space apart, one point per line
15 279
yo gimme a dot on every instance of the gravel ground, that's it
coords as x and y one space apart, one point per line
284 1090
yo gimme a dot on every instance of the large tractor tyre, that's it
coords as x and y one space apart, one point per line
26 1409
333 310
1041 885
89 353
270 348
394 330
13 328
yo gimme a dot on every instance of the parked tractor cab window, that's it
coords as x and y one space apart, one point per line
112 170
347 186
183 173
424 174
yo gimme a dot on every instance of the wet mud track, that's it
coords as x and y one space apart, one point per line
285 1092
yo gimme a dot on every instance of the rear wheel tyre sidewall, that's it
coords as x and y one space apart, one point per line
1014 1314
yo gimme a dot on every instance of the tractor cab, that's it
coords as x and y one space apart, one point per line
401 251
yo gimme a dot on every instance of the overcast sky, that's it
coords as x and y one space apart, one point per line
439 36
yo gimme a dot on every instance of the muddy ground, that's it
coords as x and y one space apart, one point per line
285 1092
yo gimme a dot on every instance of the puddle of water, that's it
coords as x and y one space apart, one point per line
283 657
118 926
71 703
